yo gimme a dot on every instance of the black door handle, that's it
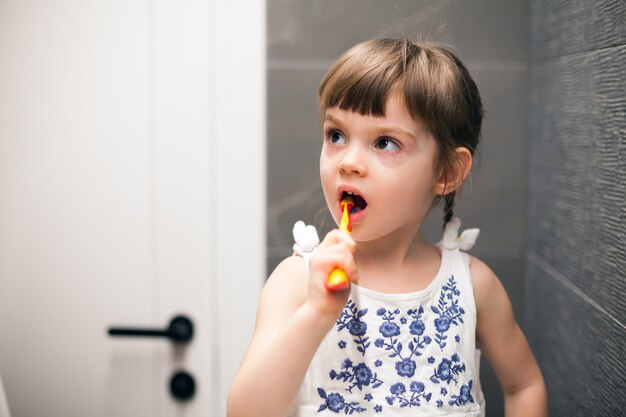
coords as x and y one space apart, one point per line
182 385
180 330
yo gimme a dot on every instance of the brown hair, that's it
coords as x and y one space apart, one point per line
436 88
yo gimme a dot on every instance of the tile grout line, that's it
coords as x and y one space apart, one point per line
551 271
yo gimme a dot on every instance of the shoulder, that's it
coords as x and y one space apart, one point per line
283 293
285 289
291 272
485 282
493 306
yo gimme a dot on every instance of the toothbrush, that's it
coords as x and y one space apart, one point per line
337 279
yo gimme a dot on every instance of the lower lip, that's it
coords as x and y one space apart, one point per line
354 217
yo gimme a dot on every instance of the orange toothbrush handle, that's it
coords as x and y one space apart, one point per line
337 279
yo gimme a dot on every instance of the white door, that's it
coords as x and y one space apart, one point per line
131 190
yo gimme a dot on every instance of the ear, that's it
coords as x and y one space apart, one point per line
452 176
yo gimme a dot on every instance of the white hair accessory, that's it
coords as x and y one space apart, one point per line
451 239
305 236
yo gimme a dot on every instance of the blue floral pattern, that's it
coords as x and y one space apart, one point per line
398 392
404 368
336 403
448 311
390 330
465 395
358 376
448 370
351 319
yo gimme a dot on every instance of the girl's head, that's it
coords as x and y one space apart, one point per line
435 88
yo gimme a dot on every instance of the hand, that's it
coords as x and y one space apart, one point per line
335 251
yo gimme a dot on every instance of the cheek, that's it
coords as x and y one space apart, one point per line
421 191
325 161
326 178
324 171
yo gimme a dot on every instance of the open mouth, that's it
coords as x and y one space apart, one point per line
359 202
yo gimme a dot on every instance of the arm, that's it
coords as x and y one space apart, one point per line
295 313
505 346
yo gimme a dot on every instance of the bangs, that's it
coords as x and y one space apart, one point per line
361 80
364 78
365 94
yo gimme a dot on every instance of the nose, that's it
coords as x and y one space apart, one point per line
353 161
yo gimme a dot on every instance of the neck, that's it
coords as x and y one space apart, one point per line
398 263
395 251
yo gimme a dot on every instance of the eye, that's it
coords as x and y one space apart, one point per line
335 137
387 144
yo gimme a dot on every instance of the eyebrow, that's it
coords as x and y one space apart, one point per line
331 118
389 129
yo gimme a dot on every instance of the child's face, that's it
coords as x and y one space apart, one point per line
388 161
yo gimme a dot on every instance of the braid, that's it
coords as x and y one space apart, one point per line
450 200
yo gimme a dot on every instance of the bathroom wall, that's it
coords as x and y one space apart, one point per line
575 304
491 36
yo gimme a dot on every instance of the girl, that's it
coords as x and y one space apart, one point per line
401 123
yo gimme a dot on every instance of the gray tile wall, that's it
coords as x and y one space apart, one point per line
491 36
576 282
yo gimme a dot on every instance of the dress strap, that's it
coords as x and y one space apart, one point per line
306 240
456 246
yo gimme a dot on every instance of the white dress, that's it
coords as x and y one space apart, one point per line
408 354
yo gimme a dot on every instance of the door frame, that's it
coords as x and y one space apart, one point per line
240 176
229 102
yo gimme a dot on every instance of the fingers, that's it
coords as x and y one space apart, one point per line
337 257
336 251
336 236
